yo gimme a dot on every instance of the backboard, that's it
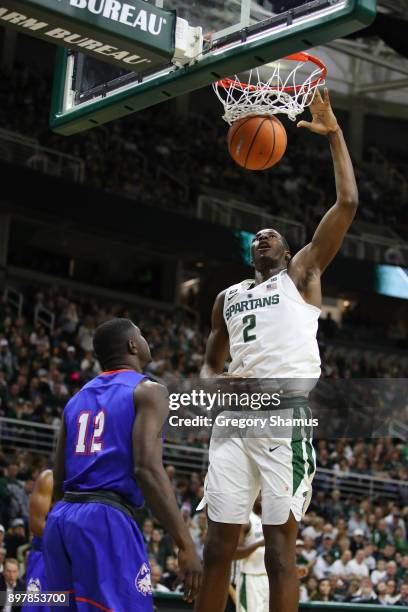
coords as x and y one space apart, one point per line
229 36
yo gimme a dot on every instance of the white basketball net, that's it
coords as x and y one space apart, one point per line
260 97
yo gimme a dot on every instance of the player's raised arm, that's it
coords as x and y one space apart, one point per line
59 464
151 401
217 343
332 229
39 503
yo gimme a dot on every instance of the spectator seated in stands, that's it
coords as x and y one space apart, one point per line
15 536
324 590
403 600
156 577
169 576
9 579
366 593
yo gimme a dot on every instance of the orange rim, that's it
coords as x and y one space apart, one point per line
295 57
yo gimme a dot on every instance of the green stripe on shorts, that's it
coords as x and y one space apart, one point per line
309 451
309 448
298 464
243 595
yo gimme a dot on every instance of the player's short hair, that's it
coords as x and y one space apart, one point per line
285 244
111 339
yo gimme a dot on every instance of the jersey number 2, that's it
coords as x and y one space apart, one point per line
249 321
84 445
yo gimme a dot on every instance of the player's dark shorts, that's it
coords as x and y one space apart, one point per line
97 554
35 575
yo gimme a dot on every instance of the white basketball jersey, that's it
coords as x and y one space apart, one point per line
255 563
272 330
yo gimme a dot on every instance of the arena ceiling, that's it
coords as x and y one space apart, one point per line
374 62
399 7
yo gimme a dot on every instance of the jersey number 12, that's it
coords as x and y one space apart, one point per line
89 444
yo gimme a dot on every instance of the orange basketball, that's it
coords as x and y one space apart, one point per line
257 142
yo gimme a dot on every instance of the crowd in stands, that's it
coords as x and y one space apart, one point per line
40 368
168 163
353 552
349 549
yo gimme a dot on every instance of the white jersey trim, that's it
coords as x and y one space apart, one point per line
301 298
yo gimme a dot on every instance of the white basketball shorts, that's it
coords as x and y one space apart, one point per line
240 467
252 593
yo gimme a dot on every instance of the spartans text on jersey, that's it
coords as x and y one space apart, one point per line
251 304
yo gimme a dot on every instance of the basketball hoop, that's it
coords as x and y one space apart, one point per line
286 91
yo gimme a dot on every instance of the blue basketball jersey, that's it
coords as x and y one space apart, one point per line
99 422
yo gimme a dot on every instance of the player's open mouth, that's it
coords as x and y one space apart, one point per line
263 247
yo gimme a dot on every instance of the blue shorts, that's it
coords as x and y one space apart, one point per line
35 575
97 554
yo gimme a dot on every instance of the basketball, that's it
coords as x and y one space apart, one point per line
257 142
